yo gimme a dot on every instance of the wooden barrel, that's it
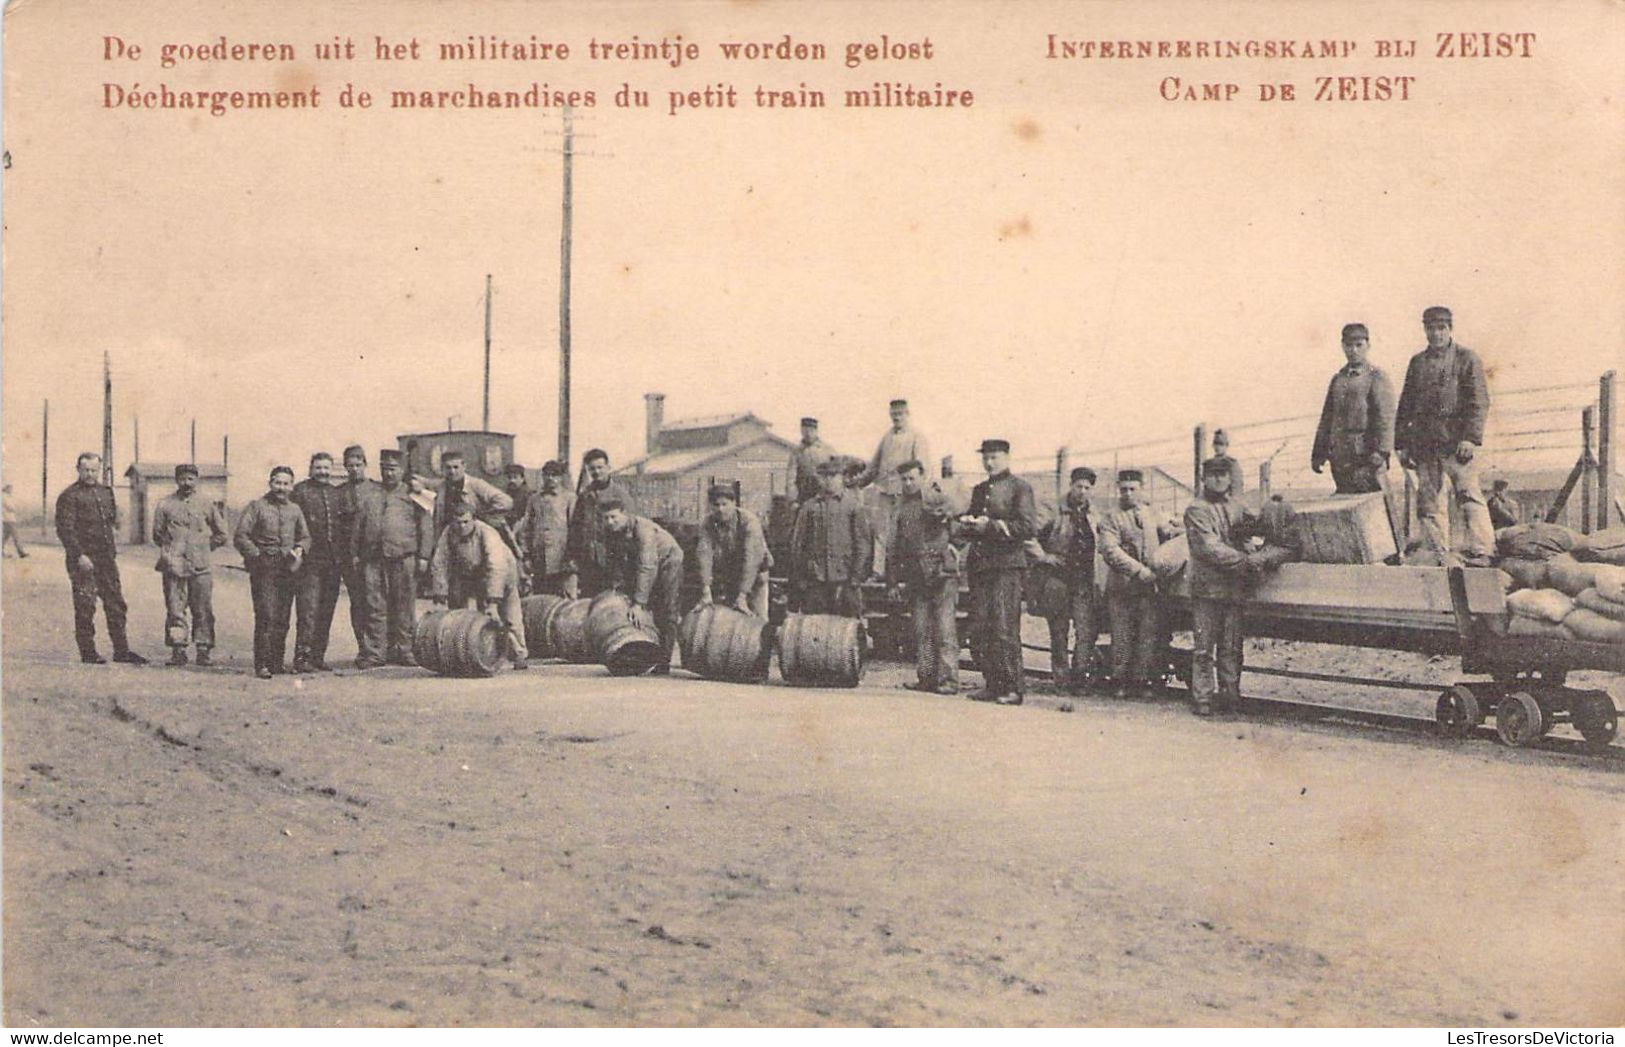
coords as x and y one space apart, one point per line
470 644
426 639
567 633
620 646
721 643
822 650
538 612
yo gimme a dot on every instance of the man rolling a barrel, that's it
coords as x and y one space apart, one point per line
1003 515
544 533
733 555
926 562
1356 431
472 562
831 549
646 566
1128 536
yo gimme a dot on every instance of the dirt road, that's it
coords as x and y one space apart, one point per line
196 847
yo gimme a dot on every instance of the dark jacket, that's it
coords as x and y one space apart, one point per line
832 541
1445 400
636 555
588 549
325 508
1357 419
1007 501
923 550
389 525
86 518
732 555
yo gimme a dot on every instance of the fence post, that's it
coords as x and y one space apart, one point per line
1605 449
1588 421
1063 466
1264 482
1198 442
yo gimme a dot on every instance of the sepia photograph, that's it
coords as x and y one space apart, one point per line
767 514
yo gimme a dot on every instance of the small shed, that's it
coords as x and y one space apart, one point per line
148 483
683 458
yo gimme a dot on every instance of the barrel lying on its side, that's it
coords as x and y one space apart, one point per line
567 632
823 650
458 643
720 643
621 646
538 613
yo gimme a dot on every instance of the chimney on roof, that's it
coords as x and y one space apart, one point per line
654 418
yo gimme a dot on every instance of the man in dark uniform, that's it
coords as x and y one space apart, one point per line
86 518
926 562
273 538
317 590
544 533
517 488
588 550
391 541
831 549
355 488
1356 431
805 460
1438 430
732 554
1221 451
187 528
1003 515
646 565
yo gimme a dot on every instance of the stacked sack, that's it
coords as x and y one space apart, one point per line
1581 601
1606 546
1525 551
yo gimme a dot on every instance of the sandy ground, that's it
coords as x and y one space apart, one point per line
196 847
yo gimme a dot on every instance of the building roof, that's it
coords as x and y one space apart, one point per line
455 432
166 470
712 421
675 463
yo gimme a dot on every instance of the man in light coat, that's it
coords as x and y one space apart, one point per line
544 533
472 563
187 528
732 555
1128 536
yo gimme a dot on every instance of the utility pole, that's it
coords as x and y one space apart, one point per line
485 411
107 418
193 459
136 449
45 470
564 294
1605 449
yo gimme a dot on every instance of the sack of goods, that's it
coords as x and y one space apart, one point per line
1544 605
1569 575
1606 546
1517 626
1171 557
1536 541
1525 574
1588 625
1596 602
1609 581
1345 529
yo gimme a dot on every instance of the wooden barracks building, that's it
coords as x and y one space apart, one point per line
683 458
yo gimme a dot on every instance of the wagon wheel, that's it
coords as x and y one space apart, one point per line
1457 712
1519 720
1595 718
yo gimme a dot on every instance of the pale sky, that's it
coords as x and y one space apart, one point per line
1072 260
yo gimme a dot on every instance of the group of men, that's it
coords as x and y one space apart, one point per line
470 542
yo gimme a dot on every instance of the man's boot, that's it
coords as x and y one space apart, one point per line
203 657
177 656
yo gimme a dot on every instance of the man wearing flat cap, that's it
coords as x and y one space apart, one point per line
273 537
589 546
354 489
1438 430
804 462
1356 431
317 591
544 533
732 554
187 528
1003 515
831 549
392 541
901 443
1065 582
926 562
646 566
1129 535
